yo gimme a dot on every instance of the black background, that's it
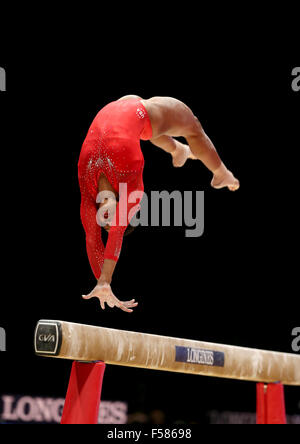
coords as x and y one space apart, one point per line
237 284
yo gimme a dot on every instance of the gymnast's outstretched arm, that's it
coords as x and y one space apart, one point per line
102 266
109 256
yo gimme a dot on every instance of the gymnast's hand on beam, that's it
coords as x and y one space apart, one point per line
105 295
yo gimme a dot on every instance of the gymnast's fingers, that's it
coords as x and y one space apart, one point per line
123 307
110 303
88 296
130 304
102 303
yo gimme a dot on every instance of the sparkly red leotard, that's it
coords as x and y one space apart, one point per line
111 147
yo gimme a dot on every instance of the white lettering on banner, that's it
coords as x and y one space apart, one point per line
49 410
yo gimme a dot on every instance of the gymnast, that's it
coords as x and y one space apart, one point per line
111 155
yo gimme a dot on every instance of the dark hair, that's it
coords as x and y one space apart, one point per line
129 230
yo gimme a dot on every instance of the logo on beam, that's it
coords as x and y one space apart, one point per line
47 338
200 356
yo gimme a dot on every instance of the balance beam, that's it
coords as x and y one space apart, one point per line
88 343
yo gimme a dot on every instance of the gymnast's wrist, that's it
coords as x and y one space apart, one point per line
104 280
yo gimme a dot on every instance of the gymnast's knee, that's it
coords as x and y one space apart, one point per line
196 128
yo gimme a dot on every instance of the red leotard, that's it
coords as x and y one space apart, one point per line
111 147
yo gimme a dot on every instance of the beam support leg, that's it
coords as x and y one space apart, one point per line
270 404
84 392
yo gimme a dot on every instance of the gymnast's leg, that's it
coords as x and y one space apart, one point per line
179 151
203 149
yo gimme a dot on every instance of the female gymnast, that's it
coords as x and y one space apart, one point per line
111 155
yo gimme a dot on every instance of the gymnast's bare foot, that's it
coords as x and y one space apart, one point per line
224 178
181 154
